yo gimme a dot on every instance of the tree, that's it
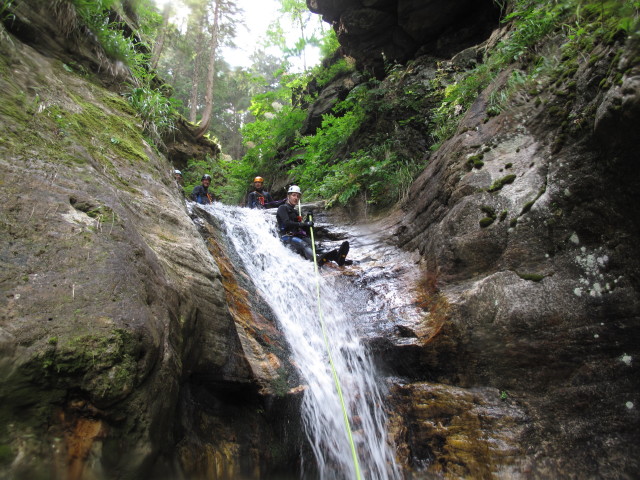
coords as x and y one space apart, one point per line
195 32
159 44
221 28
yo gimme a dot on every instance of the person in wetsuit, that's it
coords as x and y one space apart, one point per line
200 193
259 198
294 231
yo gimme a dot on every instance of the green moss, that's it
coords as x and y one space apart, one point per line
6 454
513 223
503 215
118 103
527 207
558 143
557 112
490 211
475 161
532 277
501 182
280 384
486 221
105 365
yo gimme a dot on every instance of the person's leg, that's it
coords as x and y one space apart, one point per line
342 253
298 245
307 249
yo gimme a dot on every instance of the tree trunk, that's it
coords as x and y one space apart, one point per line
208 97
159 45
193 101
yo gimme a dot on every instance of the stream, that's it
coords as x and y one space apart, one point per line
354 302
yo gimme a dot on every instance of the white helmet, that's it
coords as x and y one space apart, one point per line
177 172
294 189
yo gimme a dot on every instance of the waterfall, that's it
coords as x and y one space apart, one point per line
288 283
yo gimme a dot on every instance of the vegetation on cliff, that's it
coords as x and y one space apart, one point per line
354 152
376 137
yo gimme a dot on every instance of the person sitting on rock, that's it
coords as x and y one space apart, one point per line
259 198
200 193
293 231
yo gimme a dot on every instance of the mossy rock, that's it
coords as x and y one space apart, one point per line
490 211
527 207
6 454
475 161
486 221
105 366
501 182
532 277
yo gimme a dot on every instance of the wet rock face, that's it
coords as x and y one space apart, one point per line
536 253
396 30
115 318
457 432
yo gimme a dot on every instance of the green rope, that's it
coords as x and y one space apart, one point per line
347 425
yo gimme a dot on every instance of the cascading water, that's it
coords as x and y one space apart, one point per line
289 285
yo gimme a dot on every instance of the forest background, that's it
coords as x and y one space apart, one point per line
257 113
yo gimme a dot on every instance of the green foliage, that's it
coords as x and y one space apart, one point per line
499 98
583 23
325 164
329 43
325 75
379 173
157 112
277 125
6 454
457 97
192 175
5 5
531 23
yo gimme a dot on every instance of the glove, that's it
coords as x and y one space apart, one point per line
307 224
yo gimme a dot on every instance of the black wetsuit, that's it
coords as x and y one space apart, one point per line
201 195
259 199
292 232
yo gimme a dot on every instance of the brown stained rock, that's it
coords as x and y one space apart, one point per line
256 334
456 433
80 436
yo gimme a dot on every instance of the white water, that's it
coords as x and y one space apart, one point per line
288 284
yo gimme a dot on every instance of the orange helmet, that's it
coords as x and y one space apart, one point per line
258 179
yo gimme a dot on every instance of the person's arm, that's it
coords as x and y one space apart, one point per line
251 200
194 193
274 203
